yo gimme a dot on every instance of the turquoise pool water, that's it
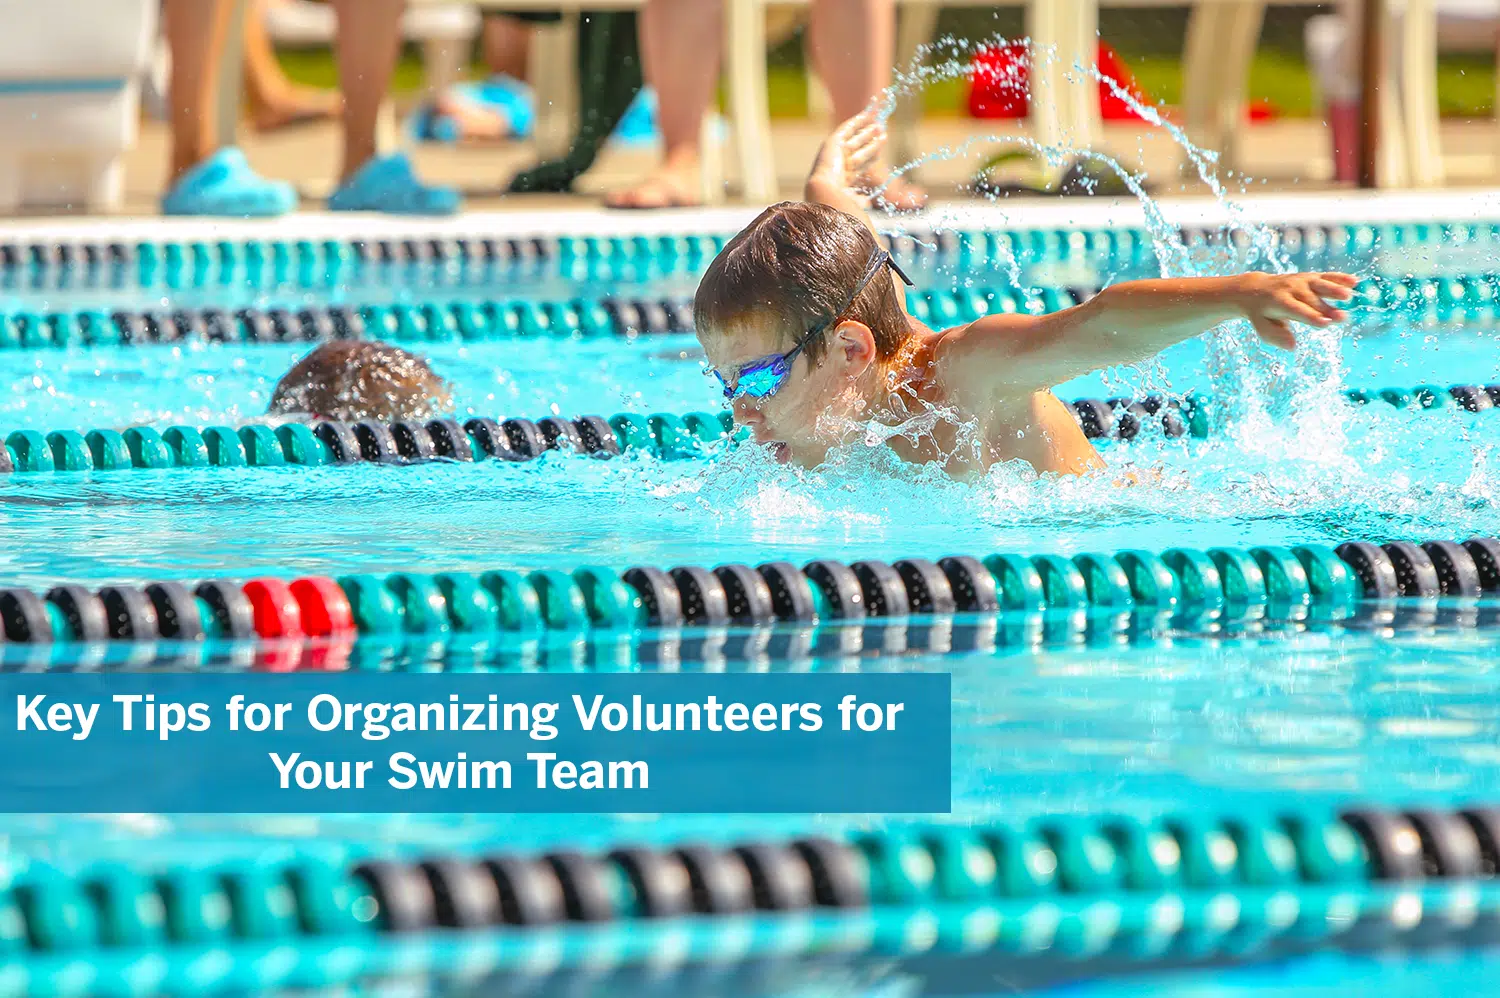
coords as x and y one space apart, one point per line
1389 711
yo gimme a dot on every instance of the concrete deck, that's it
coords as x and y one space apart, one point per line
1282 156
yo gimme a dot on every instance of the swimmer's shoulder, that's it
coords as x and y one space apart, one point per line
964 362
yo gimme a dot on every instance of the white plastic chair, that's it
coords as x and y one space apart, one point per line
1060 106
70 78
1416 31
1222 38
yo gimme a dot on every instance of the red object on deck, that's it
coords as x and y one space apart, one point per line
1261 109
999 84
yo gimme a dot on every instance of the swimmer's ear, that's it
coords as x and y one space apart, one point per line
854 344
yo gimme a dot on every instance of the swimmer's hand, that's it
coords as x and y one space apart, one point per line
1272 301
835 178
838 174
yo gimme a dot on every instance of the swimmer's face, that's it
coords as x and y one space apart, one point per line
814 409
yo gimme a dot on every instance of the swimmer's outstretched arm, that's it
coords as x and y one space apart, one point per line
1128 323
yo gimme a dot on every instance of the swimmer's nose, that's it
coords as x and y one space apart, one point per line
746 412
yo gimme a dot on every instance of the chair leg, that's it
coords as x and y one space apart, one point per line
1043 24
745 51
915 25
442 63
1497 103
819 103
231 82
105 185
1392 168
555 84
710 161
1244 21
387 129
1220 47
1200 73
1082 34
11 177
1419 93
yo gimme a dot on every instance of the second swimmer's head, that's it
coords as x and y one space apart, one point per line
351 380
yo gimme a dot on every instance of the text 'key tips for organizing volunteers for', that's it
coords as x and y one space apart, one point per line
808 742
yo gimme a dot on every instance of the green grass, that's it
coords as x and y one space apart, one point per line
1466 84
1274 76
314 67
786 88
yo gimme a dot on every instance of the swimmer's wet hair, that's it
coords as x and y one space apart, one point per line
350 380
793 266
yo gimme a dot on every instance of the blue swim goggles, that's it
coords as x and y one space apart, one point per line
765 377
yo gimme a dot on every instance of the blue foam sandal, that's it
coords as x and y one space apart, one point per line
500 93
224 184
638 126
387 184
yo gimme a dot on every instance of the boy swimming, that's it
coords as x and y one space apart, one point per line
804 322
351 380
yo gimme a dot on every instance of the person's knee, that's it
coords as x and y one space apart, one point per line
350 380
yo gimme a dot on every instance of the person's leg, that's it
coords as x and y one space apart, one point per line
852 44
276 101
205 179
506 45
367 47
681 48
195 30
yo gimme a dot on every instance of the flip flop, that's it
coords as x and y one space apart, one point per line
638 126
888 200
225 185
388 184
503 94
300 116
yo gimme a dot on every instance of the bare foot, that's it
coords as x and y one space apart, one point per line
298 106
898 195
663 190
476 121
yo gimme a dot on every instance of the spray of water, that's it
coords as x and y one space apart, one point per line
1240 370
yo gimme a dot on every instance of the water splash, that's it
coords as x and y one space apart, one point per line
1259 387
1286 439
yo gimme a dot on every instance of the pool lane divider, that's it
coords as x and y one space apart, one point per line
1046 860
323 262
664 435
1219 583
668 436
483 320
1033 947
197 263
1121 418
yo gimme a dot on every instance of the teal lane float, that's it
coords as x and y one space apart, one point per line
669 436
1218 584
483 319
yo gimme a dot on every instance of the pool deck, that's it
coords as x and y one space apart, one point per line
1289 156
